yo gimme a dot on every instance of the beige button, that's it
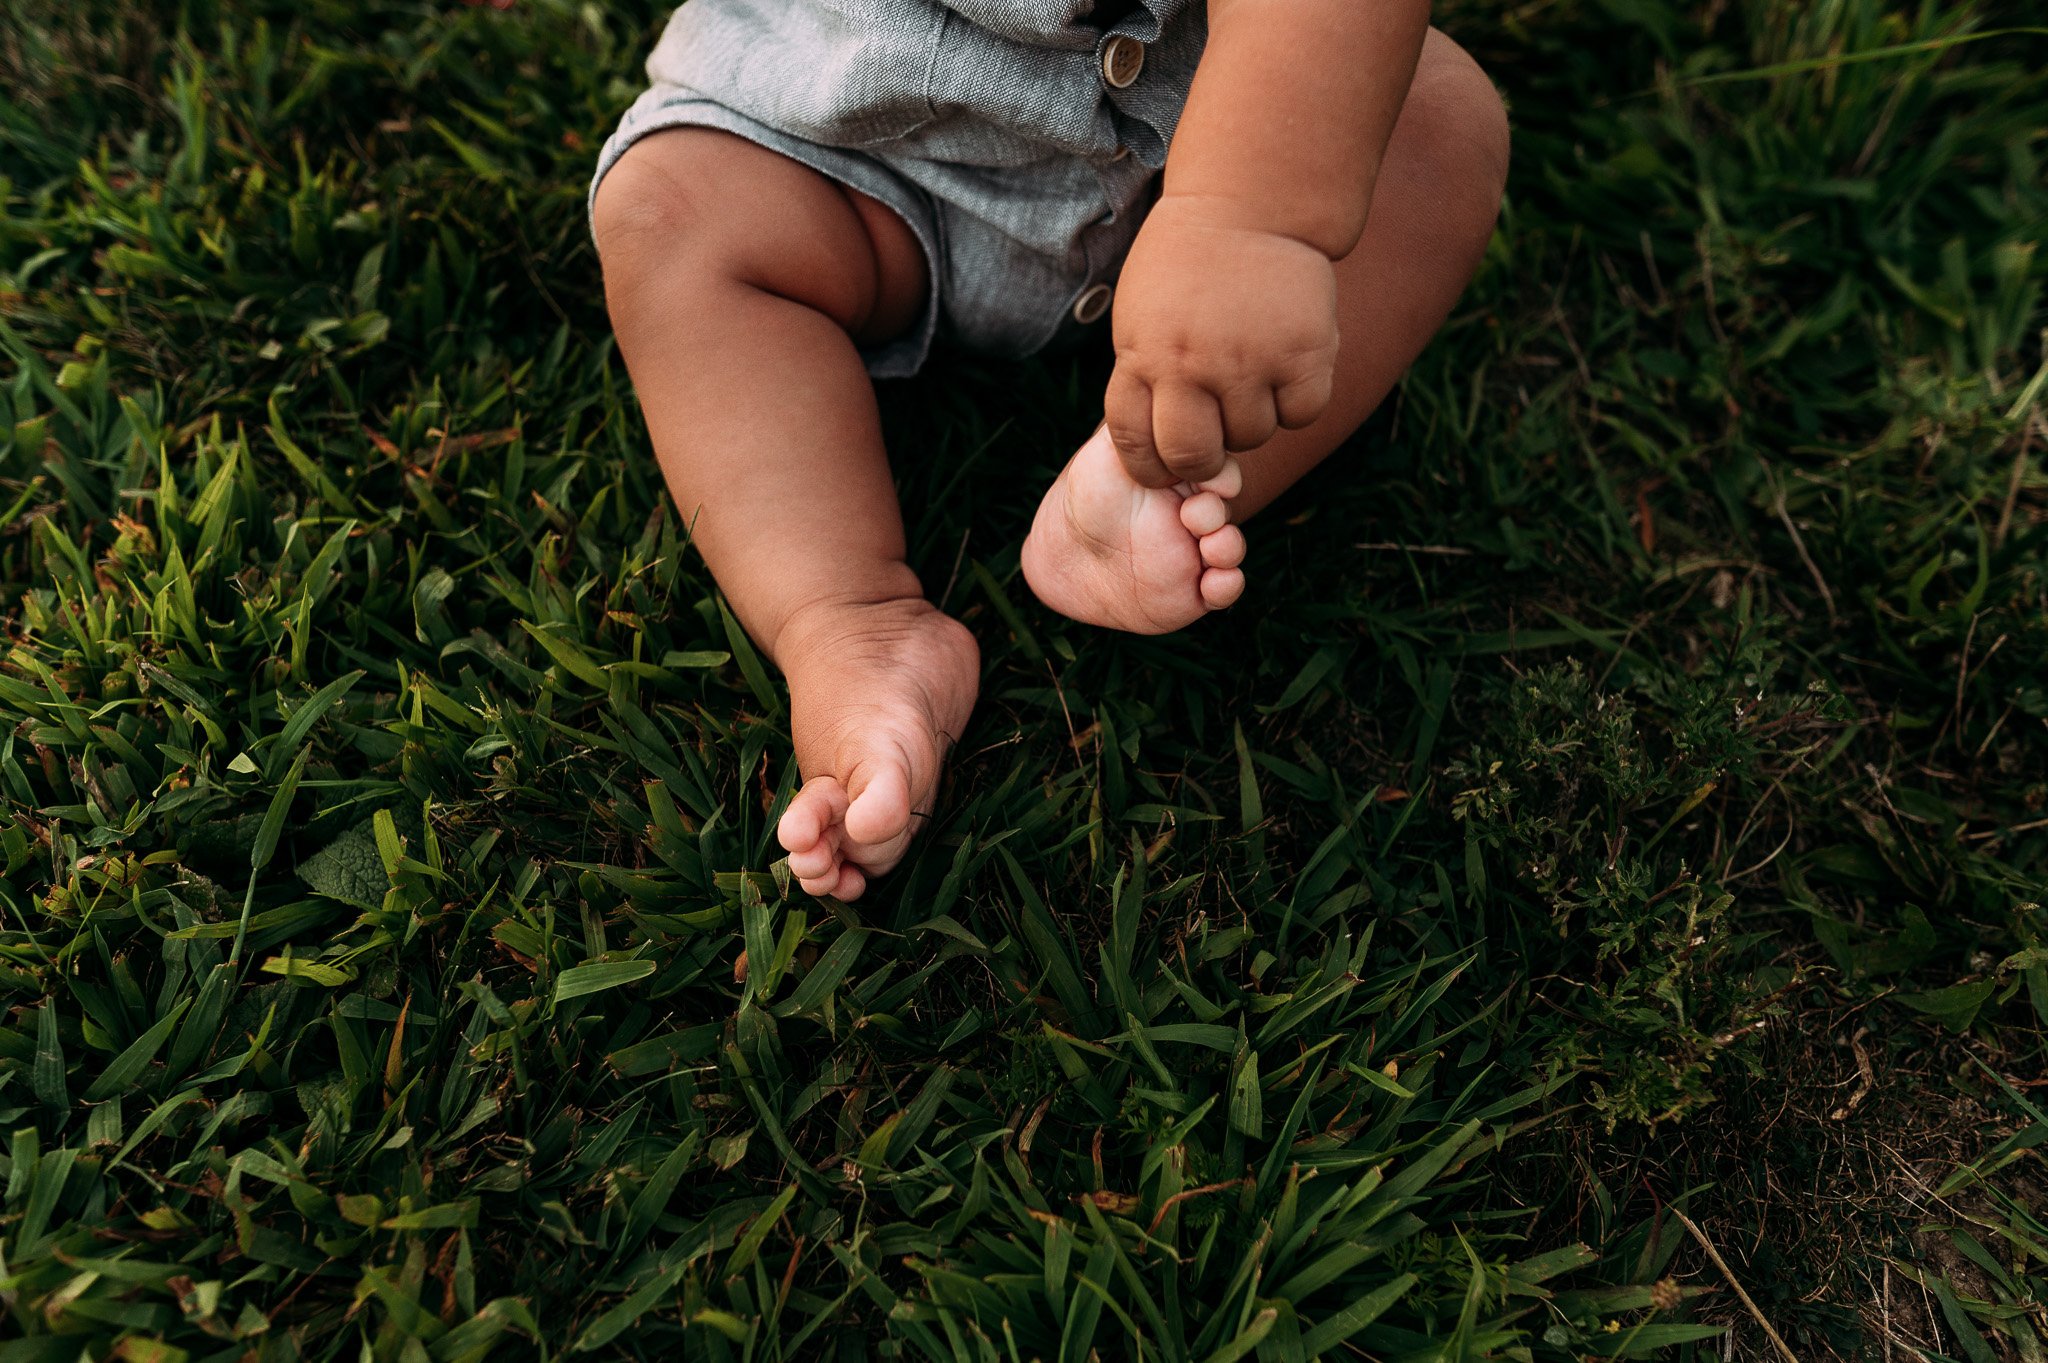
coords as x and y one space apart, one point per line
1123 57
1090 306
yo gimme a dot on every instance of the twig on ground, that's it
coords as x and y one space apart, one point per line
2012 486
1827 596
1159 1218
1784 1349
2006 832
1866 1074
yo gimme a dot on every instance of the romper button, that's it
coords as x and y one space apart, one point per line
1123 57
1092 304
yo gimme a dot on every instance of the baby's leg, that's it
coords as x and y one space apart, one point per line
1109 552
738 282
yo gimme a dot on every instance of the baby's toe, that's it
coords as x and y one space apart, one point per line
819 861
1224 548
1204 514
1221 586
1226 484
814 811
843 882
852 884
881 812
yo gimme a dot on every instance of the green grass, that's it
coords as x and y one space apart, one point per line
1624 789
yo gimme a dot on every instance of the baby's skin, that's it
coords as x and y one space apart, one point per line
1329 192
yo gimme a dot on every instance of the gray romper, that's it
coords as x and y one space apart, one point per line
1021 140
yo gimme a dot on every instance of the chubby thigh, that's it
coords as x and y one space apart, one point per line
703 198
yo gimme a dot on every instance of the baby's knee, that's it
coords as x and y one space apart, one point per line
663 220
1455 119
642 212
693 208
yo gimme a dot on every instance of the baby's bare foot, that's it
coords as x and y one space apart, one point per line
1108 551
877 694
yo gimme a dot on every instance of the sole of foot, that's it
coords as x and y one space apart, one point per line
878 693
1107 551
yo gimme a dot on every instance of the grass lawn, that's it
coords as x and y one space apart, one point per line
1586 902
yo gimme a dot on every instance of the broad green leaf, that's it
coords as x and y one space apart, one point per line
598 976
124 1069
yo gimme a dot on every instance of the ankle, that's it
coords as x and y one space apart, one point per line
822 617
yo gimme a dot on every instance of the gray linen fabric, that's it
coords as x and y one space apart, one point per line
992 126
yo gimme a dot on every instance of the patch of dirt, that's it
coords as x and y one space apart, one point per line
1817 1176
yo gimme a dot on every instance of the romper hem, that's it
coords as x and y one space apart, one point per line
1020 140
